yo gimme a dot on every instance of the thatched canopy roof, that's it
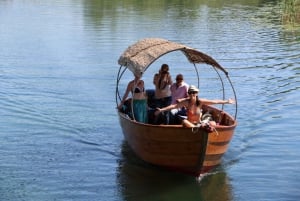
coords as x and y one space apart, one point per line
143 53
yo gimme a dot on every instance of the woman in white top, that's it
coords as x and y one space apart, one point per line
162 81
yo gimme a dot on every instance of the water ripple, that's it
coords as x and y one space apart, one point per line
60 139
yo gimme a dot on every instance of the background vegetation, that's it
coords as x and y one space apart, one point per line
291 11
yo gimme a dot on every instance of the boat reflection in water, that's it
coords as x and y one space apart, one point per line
138 180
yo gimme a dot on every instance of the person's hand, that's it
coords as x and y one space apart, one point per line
120 105
179 100
157 111
231 101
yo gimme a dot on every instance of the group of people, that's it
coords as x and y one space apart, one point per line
171 99
167 93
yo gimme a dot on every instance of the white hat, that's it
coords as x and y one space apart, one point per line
192 88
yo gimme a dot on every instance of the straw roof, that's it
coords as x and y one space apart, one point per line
143 53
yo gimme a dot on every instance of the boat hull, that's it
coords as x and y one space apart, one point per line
192 151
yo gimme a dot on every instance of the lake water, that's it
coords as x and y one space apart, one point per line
59 132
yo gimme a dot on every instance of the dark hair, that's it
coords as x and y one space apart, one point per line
164 66
179 77
197 101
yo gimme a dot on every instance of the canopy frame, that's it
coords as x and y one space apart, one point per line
138 57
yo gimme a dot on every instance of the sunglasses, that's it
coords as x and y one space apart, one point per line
193 92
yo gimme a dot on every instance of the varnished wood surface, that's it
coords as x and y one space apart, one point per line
177 147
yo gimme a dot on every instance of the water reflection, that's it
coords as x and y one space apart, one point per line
114 9
137 181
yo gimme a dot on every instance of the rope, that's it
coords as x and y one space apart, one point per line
215 130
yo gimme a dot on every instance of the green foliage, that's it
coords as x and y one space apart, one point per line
291 11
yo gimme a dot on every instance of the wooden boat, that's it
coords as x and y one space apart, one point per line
193 151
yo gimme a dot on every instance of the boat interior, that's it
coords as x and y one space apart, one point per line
215 114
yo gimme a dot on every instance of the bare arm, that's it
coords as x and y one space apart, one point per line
211 102
170 107
155 79
126 93
179 100
169 79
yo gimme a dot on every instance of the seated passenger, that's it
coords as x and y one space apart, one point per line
193 105
179 90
